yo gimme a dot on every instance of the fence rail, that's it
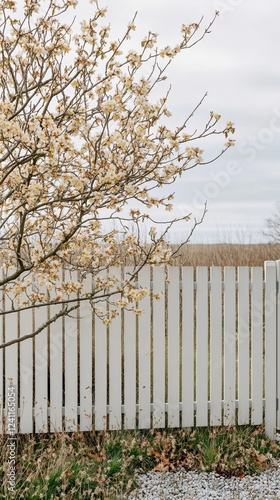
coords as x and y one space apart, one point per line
207 353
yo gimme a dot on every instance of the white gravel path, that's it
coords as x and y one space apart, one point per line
206 486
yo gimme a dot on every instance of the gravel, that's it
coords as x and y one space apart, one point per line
206 486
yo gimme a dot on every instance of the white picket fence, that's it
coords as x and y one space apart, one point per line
207 353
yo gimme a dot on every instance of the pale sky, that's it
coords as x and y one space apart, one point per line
238 65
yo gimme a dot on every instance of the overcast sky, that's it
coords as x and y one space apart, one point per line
238 65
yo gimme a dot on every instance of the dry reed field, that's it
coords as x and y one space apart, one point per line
227 254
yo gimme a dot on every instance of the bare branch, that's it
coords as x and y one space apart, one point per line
61 313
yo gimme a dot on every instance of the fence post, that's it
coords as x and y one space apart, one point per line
270 349
278 343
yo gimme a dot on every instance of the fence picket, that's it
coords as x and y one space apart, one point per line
216 346
202 346
144 353
41 371
56 371
159 348
11 352
270 349
229 346
278 343
2 402
257 345
86 355
56 366
187 347
243 345
115 375
26 373
129 364
173 347
100 369
71 361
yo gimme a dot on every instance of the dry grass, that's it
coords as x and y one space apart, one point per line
104 465
227 254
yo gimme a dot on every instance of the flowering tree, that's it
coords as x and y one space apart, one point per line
84 149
